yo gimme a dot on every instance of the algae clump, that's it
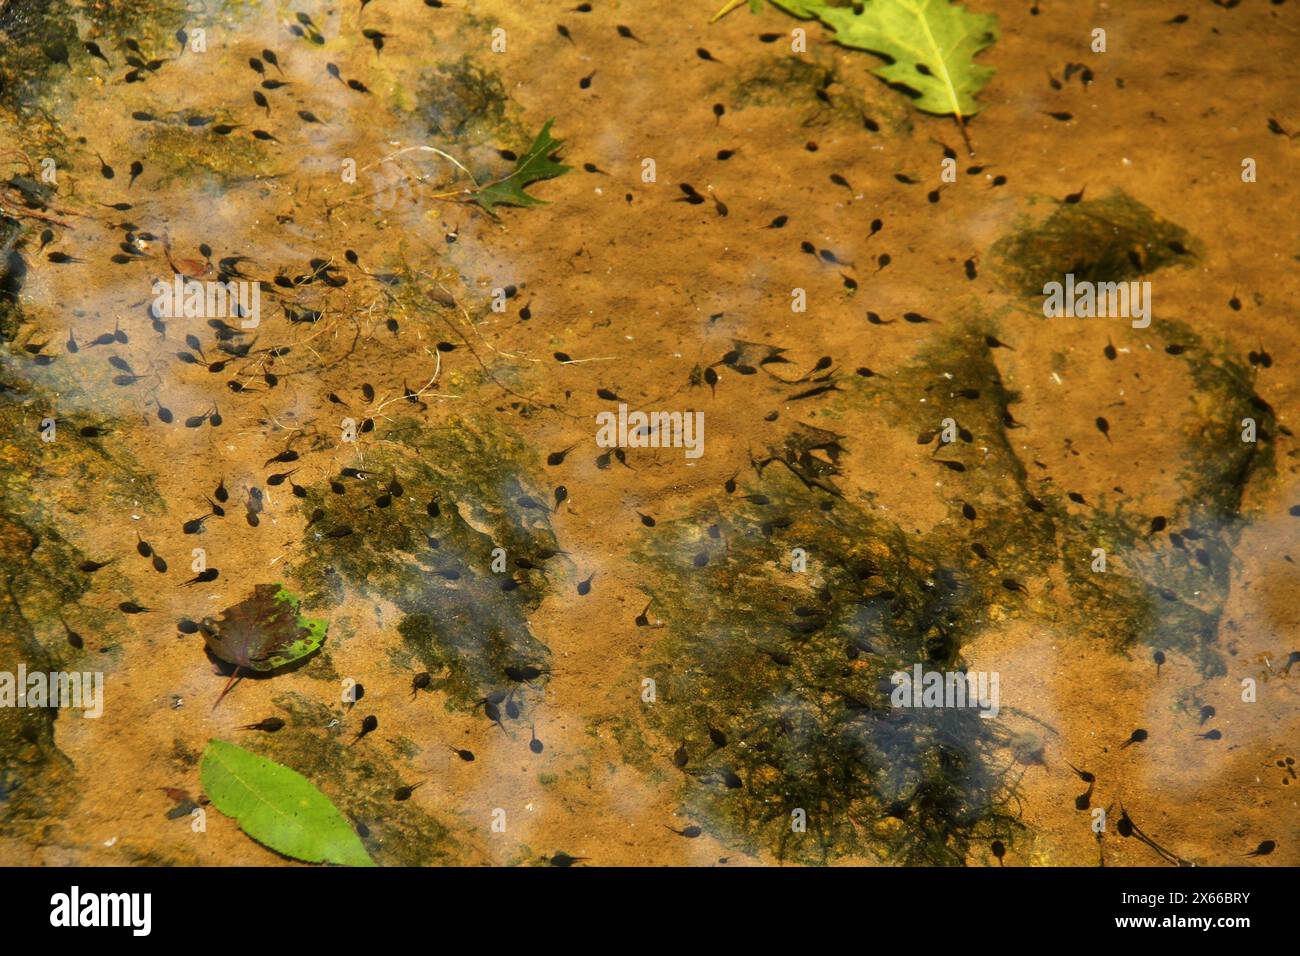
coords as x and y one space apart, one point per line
424 536
1111 239
774 686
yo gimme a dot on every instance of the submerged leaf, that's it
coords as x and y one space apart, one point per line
264 631
536 164
931 43
278 807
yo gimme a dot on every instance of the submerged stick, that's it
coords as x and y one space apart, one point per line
233 675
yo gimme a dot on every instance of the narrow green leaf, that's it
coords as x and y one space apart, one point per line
278 807
534 165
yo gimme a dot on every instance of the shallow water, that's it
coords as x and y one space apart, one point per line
771 681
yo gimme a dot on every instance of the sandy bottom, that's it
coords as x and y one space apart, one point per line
644 295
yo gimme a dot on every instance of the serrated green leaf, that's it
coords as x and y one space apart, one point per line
536 164
932 44
278 807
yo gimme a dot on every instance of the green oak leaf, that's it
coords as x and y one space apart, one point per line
278 807
932 44
264 631
536 164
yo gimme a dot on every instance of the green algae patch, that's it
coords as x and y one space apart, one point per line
773 685
39 39
779 81
42 586
1111 239
1026 528
1192 573
1221 465
360 780
636 750
1168 592
42 571
447 527
41 52
189 155
776 80
35 776
153 22
463 100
